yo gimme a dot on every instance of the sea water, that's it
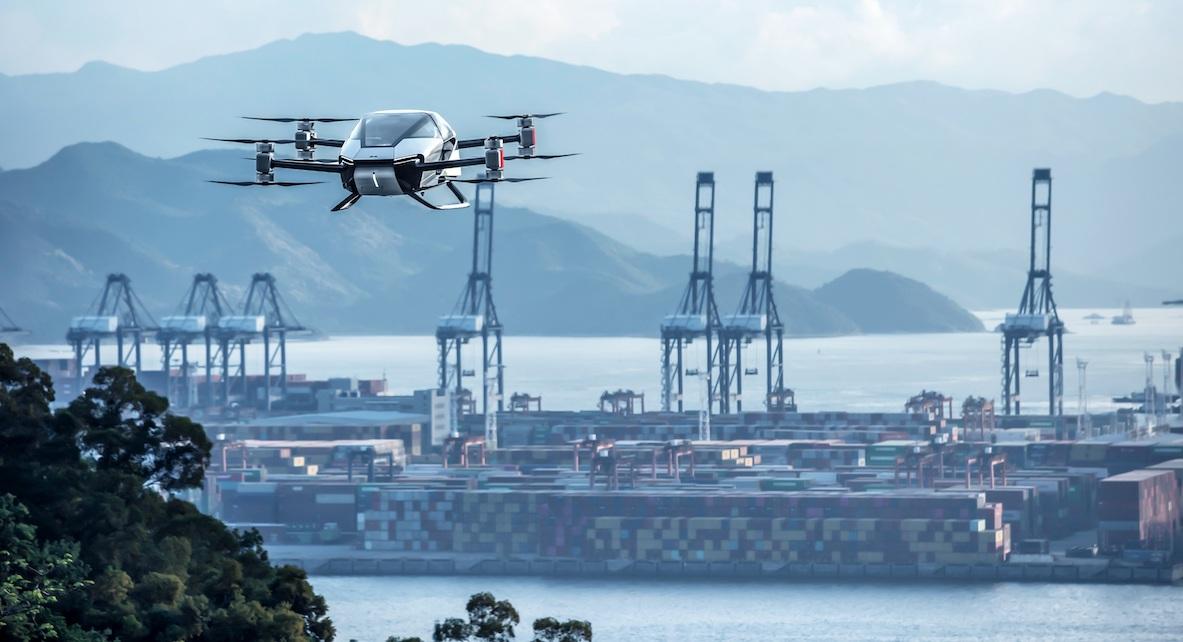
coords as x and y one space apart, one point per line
856 373
372 608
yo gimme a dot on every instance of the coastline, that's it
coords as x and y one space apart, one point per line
345 561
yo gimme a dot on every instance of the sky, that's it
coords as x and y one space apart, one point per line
1080 47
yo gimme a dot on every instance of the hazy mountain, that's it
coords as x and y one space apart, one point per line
881 302
385 266
1153 265
913 165
983 279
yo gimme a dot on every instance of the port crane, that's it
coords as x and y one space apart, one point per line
757 317
697 315
199 319
475 315
263 301
393 152
117 314
1037 317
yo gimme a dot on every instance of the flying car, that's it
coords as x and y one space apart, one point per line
395 152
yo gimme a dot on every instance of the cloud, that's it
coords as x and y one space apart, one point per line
508 26
825 44
1081 47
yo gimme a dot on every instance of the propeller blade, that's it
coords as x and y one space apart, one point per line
296 120
271 184
252 141
541 156
499 180
347 203
517 116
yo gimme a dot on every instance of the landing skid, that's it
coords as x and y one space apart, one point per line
347 203
461 201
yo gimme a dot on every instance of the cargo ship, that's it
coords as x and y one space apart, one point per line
1126 317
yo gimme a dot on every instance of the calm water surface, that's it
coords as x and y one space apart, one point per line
871 372
686 611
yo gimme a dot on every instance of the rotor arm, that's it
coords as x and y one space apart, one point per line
333 167
450 164
468 143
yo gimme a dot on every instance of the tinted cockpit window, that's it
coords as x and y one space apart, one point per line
385 130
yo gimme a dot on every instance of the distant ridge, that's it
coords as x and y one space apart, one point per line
906 164
879 301
386 267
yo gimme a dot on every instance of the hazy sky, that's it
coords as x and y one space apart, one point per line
1081 47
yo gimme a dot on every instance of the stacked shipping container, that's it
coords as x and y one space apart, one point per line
1138 510
776 527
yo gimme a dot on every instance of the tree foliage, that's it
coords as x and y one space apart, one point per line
118 557
34 577
548 629
493 620
127 429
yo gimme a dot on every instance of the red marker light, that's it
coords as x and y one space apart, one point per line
501 158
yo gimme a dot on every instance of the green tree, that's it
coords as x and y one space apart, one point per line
33 578
95 478
493 620
489 620
548 629
126 429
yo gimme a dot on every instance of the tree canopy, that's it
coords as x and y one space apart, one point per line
493 620
94 545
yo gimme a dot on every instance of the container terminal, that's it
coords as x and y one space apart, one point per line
341 476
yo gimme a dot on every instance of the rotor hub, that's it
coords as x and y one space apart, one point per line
264 154
305 138
527 136
494 158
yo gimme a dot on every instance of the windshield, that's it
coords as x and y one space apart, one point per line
385 130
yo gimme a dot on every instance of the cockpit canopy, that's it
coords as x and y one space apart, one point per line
386 129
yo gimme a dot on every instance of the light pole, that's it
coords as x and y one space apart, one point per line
704 408
1083 421
1166 383
1149 404
491 412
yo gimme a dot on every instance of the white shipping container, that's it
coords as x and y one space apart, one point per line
95 324
690 322
463 322
184 323
1037 322
746 322
241 324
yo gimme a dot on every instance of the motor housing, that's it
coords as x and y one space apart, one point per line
527 136
494 158
264 154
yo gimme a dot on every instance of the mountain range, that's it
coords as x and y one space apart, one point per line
385 266
940 171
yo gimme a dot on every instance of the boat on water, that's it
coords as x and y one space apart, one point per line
1126 317
1094 318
